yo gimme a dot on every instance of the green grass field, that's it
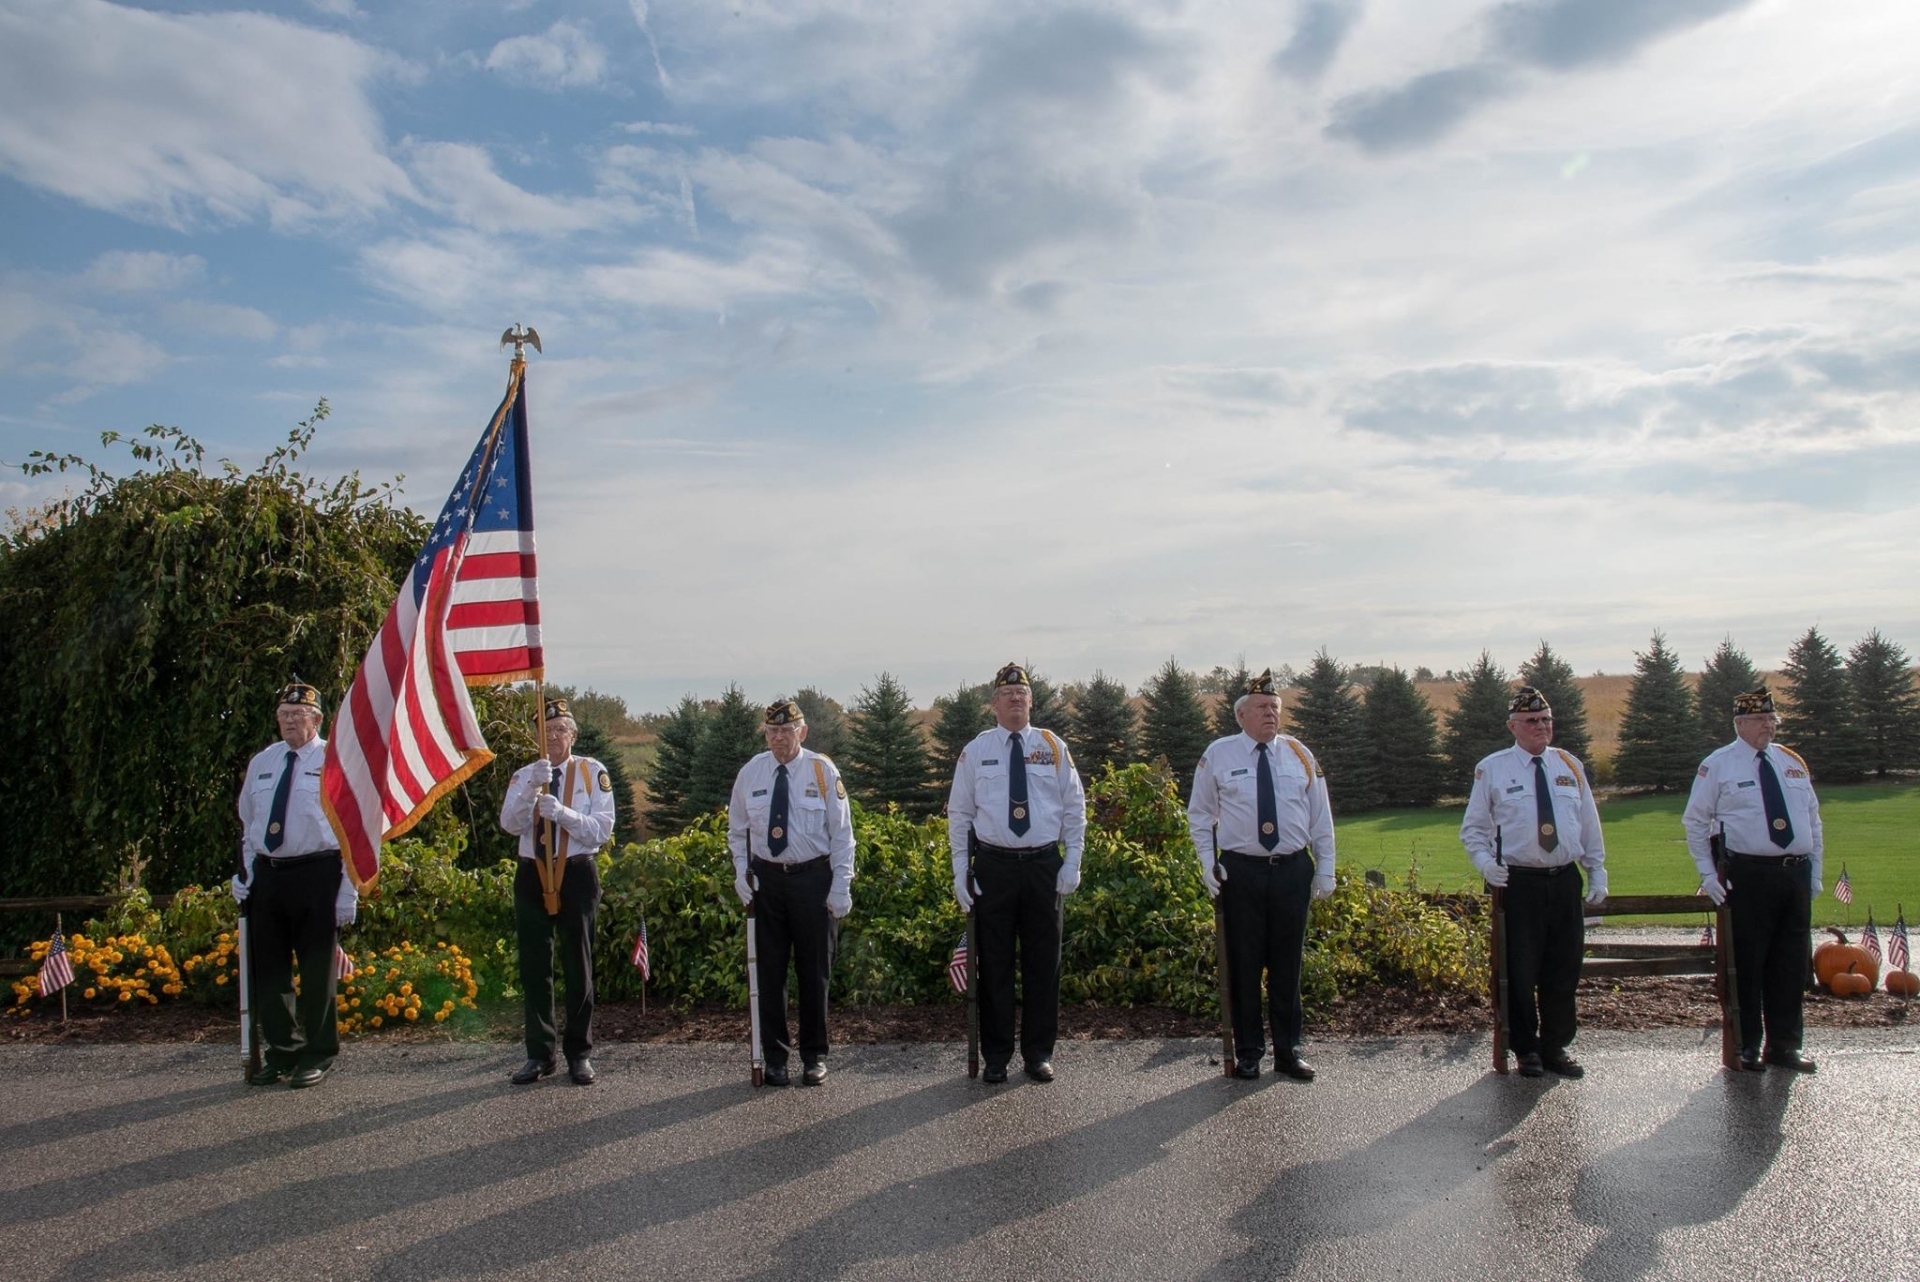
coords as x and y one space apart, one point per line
1874 829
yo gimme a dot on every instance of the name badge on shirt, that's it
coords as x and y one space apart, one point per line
759 792
267 775
1233 774
1519 787
991 761
1748 783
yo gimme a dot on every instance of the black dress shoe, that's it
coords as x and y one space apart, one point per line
1295 1067
1530 1066
1040 1070
1751 1062
814 1074
1247 1069
776 1075
531 1071
1563 1064
1792 1059
581 1071
268 1075
305 1077
993 1076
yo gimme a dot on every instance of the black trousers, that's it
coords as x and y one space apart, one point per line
1019 904
1772 906
579 902
792 922
289 923
1265 904
1546 938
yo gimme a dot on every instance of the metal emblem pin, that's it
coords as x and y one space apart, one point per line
778 832
1546 830
1780 823
1266 827
273 827
1019 812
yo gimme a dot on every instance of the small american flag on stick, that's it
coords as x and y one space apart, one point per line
1843 889
1897 941
641 961
56 972
957 966
1870 937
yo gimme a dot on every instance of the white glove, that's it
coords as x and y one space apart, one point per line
1207 882
840 903
346 905
240 889
1596 885
1322 885
1068 881
1712 889
742 888
1815 894
548 806
961 893
1496 874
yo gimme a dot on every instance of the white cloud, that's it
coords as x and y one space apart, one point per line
221 320
660 127
461 179
134 112
127 271
563 57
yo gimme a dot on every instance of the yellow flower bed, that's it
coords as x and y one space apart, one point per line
118 969
404 985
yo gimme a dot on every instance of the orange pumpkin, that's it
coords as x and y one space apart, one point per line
1838 957
1903 983
1850 983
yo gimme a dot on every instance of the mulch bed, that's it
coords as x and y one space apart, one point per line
1664 1002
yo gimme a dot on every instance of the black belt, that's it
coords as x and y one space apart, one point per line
1266 858
1018 852
1784 861
294 861
803 865
1528 870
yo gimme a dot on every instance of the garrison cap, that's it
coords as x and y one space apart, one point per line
785 712
1264 684
1011 675
300 694
1528 699
1752 702
557 708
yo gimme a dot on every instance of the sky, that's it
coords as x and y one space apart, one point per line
922 337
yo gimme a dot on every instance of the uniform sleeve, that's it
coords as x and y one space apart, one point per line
1073 811
840 840
592 826
738 831
1697 818
516 809
1593 853
1819 841
1476 826
1203 812
1320 824
960 810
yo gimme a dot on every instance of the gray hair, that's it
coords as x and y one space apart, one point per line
1241 702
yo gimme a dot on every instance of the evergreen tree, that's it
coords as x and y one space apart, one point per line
1660 731
672 776
1553 677
1888 705
1478 724
593 742
1105 726
1327 717
1728 672
731 739
1405 741
1232 686
887 753
826 723
960 717
1176 725
1049 708
1820 721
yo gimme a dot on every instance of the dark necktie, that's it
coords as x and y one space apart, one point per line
277 816
777 814
1543 807
1017 819
1779 827
1269 809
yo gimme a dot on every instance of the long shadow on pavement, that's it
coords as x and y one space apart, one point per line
1694 1168
577 1218
943 1209
17 1138
288 1212
1392 1179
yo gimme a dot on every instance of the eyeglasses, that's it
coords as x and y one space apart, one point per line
1534 721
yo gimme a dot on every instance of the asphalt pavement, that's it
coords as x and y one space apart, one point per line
1406 1159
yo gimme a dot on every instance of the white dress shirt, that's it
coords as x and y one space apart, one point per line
1726 790
1056 801
1224 811
585 791
819 821
1502 801
306 830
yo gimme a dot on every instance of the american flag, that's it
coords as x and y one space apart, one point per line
1870 938
640 959
342 963
468 614
1843 889
957 966
56 972
1897 942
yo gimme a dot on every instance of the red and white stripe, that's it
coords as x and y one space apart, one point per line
494 623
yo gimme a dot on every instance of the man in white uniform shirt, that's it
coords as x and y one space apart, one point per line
1263 831
300 894
1761 795
1531 826
791 835
1017 825
560 805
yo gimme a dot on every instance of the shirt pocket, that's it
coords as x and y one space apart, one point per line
810 815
